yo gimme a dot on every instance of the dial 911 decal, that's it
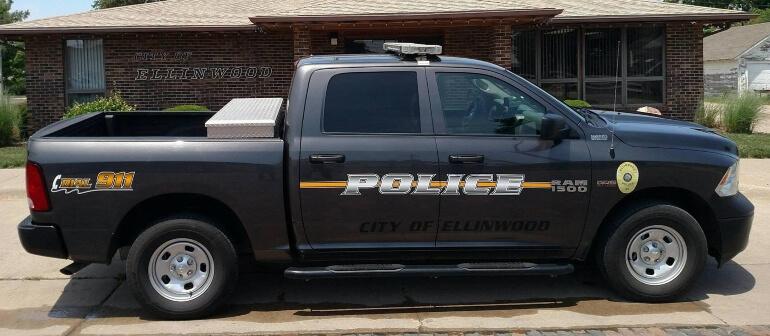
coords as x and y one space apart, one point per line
104 181
455 184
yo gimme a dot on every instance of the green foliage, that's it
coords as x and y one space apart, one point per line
111 103
752 145
9 121
741 112
9 16
187 108
745 5
14 73
764 16
709 115
13 157
13 52
102 4
577 103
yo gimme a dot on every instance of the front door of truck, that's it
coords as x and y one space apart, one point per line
366 135
507 188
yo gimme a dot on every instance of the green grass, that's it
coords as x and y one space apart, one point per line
755 145
13 157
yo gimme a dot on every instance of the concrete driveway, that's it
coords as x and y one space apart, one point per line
36 300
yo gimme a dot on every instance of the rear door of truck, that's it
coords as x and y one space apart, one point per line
369 122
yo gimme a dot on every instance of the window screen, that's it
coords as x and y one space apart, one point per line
85 70
372 102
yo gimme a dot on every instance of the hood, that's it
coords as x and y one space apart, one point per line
642 130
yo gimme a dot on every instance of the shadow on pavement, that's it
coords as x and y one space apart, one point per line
582 292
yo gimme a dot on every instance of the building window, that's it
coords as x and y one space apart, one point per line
583 63
84 70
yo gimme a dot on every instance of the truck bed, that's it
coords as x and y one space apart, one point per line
171 162
133 124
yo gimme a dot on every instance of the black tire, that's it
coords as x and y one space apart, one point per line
223 271
616 239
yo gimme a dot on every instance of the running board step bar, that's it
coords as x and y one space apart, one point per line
398 270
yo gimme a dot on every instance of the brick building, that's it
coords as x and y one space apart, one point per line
207 52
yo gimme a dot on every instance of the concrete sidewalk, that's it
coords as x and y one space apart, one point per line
37 300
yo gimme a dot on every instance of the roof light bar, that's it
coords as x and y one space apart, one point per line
412 48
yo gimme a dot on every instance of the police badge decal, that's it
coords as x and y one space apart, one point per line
627 177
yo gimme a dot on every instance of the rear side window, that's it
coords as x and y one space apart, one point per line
372 102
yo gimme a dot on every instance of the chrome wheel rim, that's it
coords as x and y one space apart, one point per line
181 269
656 255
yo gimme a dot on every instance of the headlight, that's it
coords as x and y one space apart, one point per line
728 186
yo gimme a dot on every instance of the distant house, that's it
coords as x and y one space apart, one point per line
737 60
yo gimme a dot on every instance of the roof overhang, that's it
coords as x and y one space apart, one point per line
494 14
122 29
704 18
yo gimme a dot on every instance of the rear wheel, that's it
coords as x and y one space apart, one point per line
182 268
654 253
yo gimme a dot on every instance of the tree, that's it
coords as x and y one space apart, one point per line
102 4
759 7
9 16
12 52
744 5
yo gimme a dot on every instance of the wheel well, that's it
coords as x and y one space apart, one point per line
148 212
687 200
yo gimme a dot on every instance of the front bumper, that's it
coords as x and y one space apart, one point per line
734 230
43 240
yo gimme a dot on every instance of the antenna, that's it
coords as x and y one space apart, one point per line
614 103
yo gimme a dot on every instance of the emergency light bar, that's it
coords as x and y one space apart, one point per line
412 48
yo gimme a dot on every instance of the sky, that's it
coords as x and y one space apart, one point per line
39 9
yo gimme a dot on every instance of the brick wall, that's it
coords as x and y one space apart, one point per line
684 69
159 70
45 80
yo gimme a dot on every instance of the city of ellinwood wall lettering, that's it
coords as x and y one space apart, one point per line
184 72
197 73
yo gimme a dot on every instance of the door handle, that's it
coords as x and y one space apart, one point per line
327 158
466 158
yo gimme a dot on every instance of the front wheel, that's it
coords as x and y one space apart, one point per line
653 254
182 268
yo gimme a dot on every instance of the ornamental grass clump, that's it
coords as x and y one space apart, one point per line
709 115
9 121
741 113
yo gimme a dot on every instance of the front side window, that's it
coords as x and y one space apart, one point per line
372 102
84 70
480 104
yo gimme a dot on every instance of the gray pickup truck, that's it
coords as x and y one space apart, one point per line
387 165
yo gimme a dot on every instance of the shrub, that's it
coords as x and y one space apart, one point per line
187 108
741 112
577 103
9 121
111 103
709 115
22 121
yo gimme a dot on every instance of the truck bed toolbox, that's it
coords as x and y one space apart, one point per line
245 118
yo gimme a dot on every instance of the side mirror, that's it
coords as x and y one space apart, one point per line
553 127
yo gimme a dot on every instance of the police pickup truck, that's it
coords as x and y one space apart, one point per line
402 164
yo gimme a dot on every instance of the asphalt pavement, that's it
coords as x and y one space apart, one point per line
35 299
